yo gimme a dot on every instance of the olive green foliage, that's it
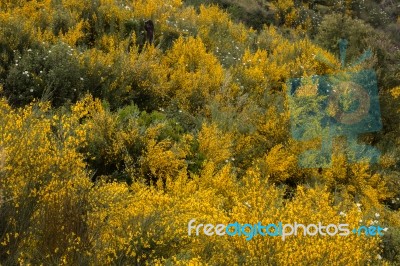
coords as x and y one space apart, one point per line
47 72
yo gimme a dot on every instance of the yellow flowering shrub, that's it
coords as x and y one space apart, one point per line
194 125
214 144
194 74
56 215
160 9
41 157
161 161
226 39
285 11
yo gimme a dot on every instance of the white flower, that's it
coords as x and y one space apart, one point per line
81 79
342 214
377 215
385 229
360 221
40 71
358 204
180 111
31 90
379 257
29 50
247 204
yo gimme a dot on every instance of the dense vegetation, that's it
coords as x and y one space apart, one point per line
109 145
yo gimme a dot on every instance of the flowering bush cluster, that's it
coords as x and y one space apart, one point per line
110 145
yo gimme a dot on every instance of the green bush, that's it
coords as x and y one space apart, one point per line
391 241
361 36
14 38
48 73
